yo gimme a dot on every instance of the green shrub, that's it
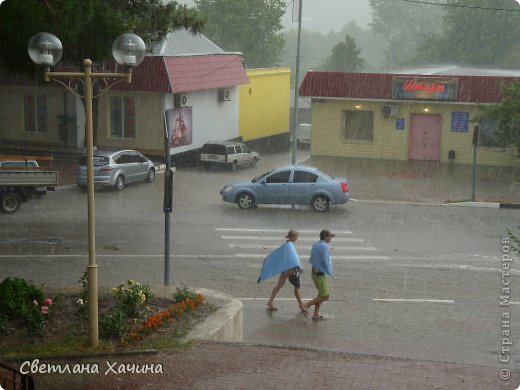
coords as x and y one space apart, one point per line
183 292
20 299
130 296
113 324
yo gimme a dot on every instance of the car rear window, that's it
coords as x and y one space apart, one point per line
98 161
213 149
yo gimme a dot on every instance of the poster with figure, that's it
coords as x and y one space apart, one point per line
179 127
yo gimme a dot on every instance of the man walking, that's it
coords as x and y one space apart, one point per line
321 268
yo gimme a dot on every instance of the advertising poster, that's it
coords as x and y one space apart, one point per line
179 126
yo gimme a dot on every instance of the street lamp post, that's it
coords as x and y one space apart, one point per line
128 50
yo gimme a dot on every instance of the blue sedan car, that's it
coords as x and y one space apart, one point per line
294 184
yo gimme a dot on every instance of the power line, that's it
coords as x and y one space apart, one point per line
461 6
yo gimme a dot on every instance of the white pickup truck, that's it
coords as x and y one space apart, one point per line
19 184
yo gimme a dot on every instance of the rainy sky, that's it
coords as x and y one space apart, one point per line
325 15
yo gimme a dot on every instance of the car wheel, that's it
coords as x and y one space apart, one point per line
253 163
10 203
234 166
150 177
120 183
320 203
245 200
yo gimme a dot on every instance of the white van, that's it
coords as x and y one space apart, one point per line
304 134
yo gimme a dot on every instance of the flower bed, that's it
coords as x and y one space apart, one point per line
124 322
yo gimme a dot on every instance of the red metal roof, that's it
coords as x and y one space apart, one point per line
187 73
209 71
474 89
174 74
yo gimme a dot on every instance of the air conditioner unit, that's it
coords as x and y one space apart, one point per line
181 100
390 110
224 95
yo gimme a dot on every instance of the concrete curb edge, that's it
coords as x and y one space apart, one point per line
493 205
225 325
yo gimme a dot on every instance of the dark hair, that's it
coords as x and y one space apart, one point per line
325 233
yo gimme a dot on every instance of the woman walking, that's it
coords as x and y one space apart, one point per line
284 261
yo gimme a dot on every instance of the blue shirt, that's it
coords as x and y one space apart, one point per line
320 257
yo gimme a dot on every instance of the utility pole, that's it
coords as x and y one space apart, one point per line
296 77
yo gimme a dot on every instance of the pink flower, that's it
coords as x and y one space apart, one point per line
35 302
48 302
45 310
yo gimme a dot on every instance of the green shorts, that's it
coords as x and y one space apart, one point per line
322 284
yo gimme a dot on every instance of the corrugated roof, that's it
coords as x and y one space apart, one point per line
474 89
210 71
179 74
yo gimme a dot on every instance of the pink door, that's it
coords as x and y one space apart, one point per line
425 137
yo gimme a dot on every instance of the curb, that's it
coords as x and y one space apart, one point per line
492 205
226 324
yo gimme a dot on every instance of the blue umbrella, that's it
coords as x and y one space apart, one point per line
280 260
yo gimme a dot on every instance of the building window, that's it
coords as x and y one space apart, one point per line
122 117
35 112
487 135
359 125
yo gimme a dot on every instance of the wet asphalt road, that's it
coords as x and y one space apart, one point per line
440 263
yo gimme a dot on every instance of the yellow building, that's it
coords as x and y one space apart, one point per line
264 104
404 117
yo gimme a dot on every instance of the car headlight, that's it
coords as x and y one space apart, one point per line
226 189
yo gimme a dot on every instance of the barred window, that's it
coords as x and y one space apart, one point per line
35 113
122 117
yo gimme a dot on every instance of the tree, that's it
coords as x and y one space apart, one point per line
476 32
316 47
344 57
506 114
252 27
86 28
402 24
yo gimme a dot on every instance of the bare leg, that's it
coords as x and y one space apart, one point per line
299 299
281 280
316 302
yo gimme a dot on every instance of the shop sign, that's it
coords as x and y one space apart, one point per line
459 122
424 88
